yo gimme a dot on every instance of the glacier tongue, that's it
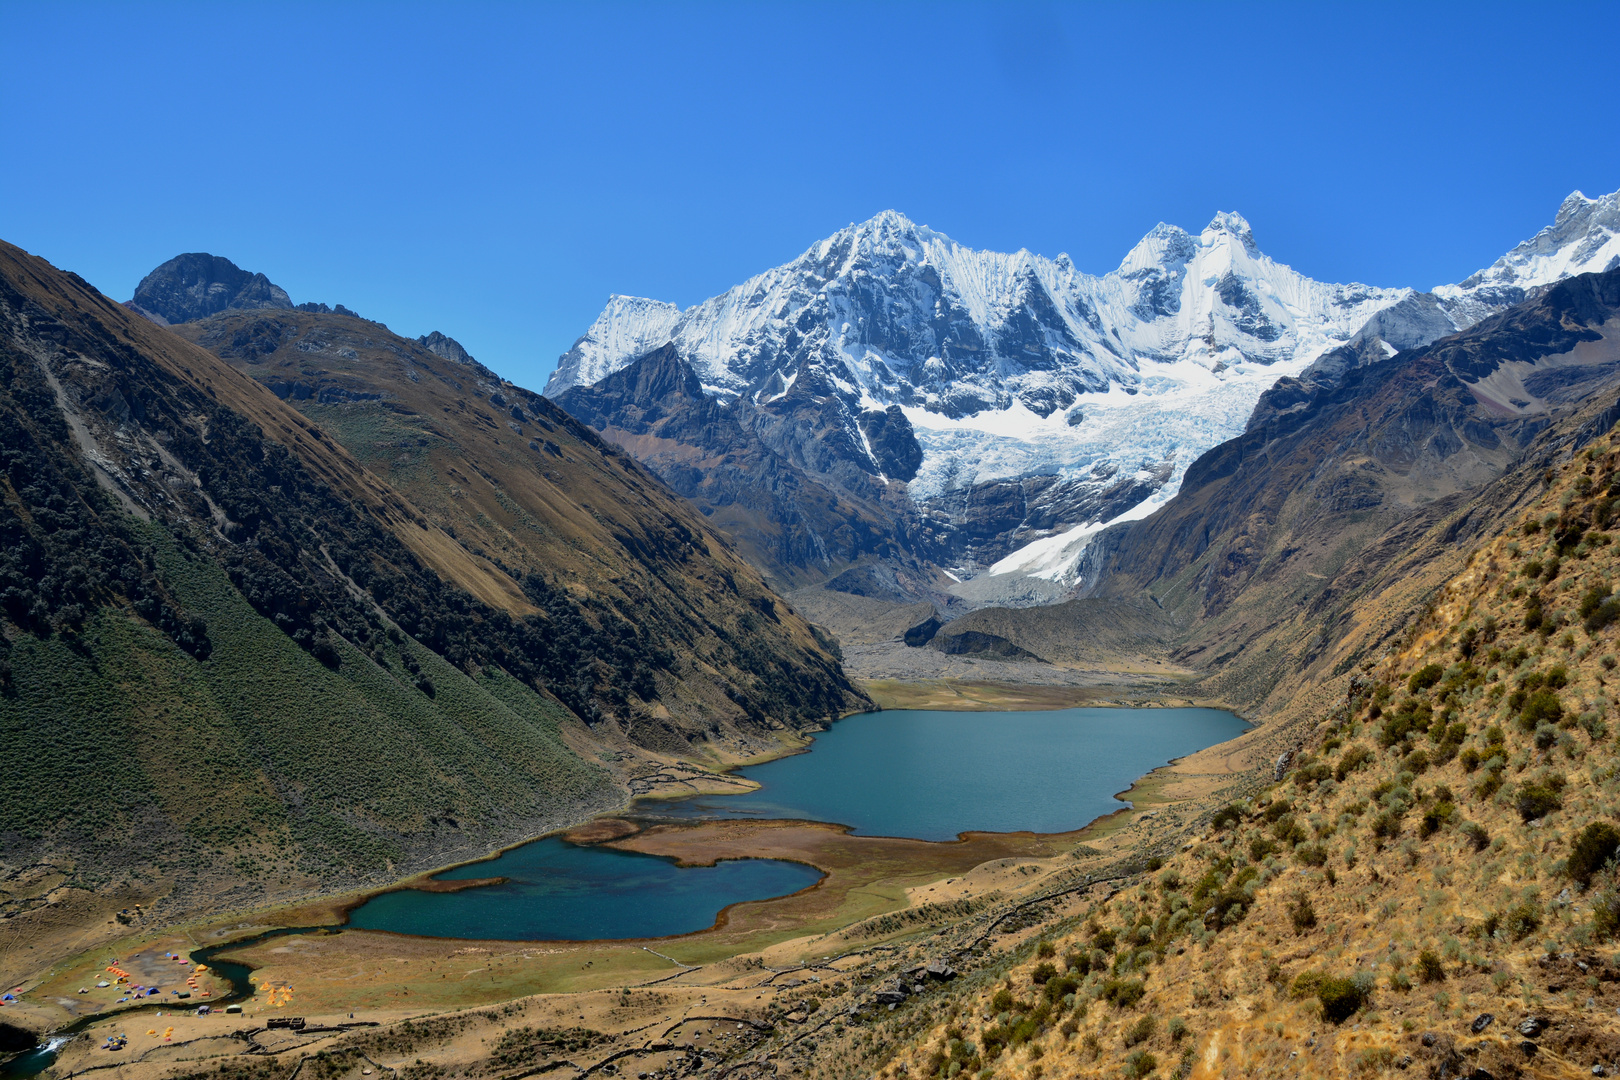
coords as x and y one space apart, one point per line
1010 366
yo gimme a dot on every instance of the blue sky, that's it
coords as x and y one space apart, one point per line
495 171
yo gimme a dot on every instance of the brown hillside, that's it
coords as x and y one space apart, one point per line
84 310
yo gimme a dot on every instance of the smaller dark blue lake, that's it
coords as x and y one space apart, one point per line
557 891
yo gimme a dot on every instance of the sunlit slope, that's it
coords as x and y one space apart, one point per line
1430 885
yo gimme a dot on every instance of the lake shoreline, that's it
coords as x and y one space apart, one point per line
738 927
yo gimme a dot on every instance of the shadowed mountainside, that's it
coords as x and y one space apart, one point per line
789 524
549 506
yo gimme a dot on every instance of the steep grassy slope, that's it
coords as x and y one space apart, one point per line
1430 887
1268 525
231 653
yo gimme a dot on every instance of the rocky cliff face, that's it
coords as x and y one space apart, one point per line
196 285
786 521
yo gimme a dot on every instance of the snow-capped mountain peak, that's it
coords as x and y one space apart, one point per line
1235 226
1583 238
1012 367
628 326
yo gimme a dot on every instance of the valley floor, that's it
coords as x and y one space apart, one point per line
785 973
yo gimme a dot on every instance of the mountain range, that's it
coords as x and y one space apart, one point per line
292 604
992 402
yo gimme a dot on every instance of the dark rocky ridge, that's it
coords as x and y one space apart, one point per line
196 285
791 523
790 480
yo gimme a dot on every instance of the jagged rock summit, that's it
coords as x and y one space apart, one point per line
196 285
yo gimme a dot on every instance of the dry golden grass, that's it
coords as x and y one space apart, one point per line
1428 877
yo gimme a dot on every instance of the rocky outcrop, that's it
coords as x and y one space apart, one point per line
196 285
446 347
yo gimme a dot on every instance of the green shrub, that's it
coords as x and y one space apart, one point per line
1534 617
1429 968
1302 912
1411 715
1340 998
1227 816
1601 616
1434 818
1606 914
1541 707
1386 825
1058 988
1593 847
1122 993
1305 984
1289 831
1522 921
1141 1031
1311 854
1352 759
1043 974
1425 677
1140 1063
1537 800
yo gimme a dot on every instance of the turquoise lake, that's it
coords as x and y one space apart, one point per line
928 775
933 775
